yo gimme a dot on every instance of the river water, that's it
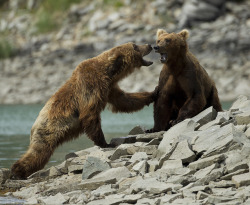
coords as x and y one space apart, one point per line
16 122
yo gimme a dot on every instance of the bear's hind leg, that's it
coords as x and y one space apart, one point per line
191 107
33 160
216 102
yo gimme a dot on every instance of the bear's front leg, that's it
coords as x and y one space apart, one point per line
94 132
121 101
163 112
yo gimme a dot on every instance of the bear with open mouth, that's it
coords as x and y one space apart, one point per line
185 88
76 107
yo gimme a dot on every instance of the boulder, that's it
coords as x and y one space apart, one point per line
136 130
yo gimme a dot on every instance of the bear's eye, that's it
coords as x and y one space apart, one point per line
136 47
167 40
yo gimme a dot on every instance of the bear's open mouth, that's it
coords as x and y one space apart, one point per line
163 58
146 62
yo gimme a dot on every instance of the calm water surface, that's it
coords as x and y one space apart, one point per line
16 122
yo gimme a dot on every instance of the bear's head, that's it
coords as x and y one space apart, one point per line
171 45
126 57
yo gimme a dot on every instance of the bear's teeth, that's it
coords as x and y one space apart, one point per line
163 57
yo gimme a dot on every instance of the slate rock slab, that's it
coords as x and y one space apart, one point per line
93 166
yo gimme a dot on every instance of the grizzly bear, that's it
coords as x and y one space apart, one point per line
185 89
76 107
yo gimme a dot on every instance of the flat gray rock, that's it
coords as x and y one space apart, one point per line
204 172
183 152
152 186
205 162
117 173
242 103
171 136
205 116
212 139
141 167
4 175
138 156
93 166
241 180
103 190
243 118
57 199
122 140
149 136
92 184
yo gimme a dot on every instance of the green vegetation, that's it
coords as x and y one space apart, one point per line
114 3
59 5
6 49
51 13
46 22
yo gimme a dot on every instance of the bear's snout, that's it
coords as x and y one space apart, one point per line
156 48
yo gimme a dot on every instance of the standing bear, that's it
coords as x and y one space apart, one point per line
185 89
76 107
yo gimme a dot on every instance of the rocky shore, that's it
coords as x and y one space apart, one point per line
219 37
202 160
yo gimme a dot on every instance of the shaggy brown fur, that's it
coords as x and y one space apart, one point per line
75 108
185 89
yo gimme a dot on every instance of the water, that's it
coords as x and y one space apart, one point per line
16 122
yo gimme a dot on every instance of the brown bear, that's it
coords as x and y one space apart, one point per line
185 89
76 107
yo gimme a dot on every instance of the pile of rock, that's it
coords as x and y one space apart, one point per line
203 160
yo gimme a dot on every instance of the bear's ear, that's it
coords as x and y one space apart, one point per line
184 34
160 32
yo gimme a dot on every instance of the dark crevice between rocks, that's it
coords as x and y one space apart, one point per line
198 155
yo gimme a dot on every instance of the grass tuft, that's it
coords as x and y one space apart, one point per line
114 3
51 13
6 49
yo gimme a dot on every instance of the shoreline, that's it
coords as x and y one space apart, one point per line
204 159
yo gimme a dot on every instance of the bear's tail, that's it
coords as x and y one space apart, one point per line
33 160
